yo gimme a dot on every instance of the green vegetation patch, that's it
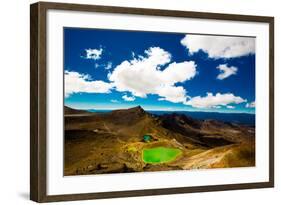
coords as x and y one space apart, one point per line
160 154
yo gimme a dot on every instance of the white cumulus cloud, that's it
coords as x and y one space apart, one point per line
128 98
226 71
251 104
145 75
230 107
219 46
76 83
212 101
93 53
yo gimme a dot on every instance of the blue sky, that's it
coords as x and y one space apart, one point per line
111 69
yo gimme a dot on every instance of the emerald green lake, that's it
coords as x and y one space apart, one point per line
160 154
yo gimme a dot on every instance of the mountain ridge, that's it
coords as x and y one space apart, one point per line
113 133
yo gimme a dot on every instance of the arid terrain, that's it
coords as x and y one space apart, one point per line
113 142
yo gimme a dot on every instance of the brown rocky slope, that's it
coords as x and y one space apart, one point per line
113 142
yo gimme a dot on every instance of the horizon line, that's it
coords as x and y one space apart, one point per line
167 110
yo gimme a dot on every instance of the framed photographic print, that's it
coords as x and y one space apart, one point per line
134 102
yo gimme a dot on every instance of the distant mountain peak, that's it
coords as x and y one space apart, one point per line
137 108
134 110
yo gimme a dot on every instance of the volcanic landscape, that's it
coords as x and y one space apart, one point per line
133 140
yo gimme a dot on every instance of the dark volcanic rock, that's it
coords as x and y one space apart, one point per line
181 124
